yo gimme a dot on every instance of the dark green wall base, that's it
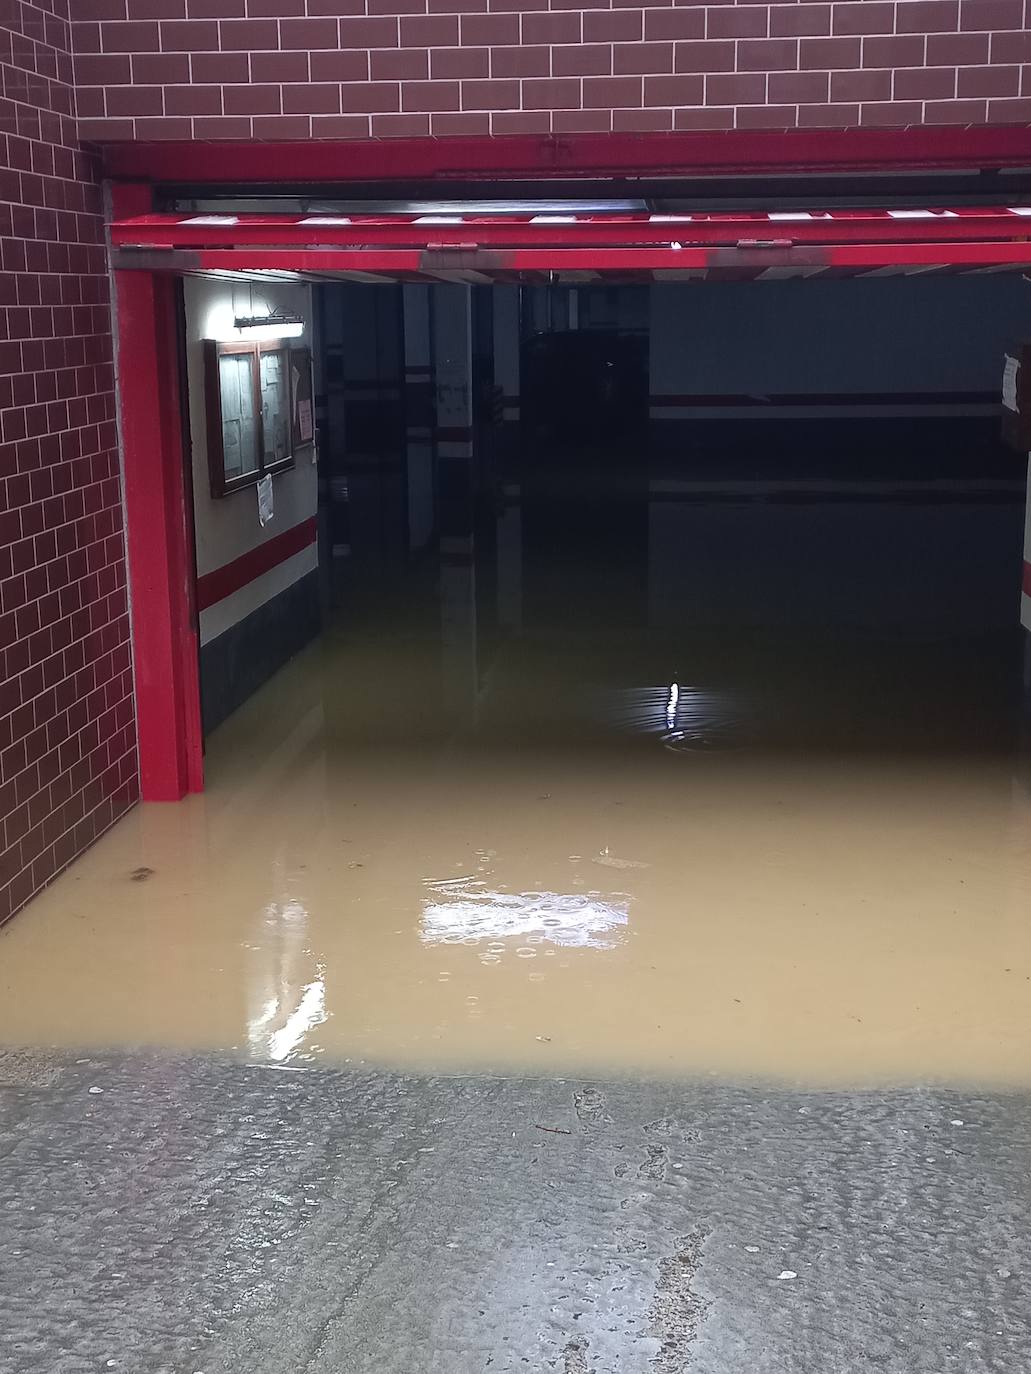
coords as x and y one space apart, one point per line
234 666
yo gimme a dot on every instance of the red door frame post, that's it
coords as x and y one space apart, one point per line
162 576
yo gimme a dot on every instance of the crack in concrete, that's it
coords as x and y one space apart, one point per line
574 1359
677 1310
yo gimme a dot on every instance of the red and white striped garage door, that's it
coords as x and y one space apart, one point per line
471 247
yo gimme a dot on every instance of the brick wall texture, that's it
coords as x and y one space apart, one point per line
297 69
67 742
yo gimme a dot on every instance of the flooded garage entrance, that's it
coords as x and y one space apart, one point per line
666 714
703 762
617 912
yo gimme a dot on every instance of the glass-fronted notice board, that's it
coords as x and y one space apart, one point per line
260 410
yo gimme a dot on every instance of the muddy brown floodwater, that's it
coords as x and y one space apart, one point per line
590 831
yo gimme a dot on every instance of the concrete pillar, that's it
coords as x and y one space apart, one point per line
365 367
333 421
667 303
453 395
506 359
419 416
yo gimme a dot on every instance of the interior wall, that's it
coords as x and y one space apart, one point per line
717 344
819 353
257 586
613 307
884 564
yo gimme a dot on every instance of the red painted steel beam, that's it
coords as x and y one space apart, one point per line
860 256
387 260
518 157
611 231
160 553
962 255
607 261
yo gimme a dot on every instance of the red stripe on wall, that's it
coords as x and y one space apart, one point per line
216 586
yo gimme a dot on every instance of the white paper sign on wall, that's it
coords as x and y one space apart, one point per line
1009 383
265 506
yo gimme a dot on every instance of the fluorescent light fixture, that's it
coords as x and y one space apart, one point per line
269 326
922 214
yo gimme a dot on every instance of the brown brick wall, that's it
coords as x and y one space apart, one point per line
67 735
297 69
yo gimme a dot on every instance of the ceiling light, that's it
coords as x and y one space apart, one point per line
269 326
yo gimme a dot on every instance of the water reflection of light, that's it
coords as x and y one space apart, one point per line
679 714
289 981
309 1013
671 706
465 910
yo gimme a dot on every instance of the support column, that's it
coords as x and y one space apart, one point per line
453 391
372 363
162 576
667 302
419 407
506 362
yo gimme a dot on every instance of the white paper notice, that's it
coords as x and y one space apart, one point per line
1009 383
265 510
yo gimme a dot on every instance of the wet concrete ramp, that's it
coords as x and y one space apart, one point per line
174 1215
